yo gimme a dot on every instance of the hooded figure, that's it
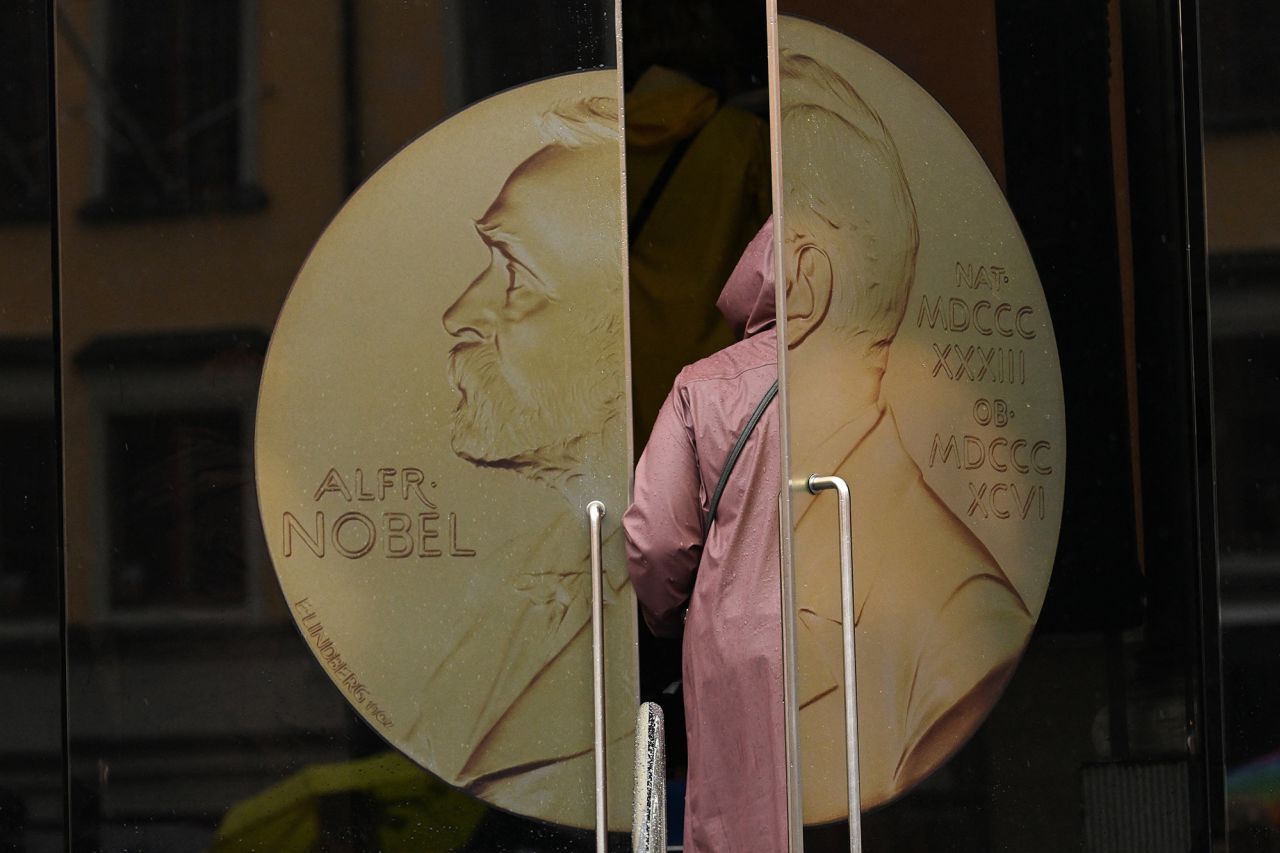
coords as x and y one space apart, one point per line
688 235
732 646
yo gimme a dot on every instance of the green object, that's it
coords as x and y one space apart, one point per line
396 804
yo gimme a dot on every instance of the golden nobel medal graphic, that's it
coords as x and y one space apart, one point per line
429 437
922 368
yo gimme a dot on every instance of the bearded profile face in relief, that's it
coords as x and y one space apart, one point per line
537 366
539 328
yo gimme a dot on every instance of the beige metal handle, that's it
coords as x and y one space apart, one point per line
820 484
595 513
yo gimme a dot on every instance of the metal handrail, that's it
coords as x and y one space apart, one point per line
595 513
820 484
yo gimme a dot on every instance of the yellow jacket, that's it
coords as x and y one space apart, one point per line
714 203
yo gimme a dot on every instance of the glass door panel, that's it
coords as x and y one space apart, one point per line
31 753
698 192
1241 112
330 277
966 260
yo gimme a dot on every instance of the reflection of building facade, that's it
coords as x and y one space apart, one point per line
203 146
30 755
182 221
1242 157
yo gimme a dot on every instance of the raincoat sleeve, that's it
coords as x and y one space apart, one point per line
664 524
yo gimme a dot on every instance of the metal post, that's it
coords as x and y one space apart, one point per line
819 484
595 512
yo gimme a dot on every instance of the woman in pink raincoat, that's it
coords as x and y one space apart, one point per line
736 788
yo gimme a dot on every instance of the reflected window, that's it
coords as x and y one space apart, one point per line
28 503
1246 353
177 96
1250 457
26 508
177 529
24 117
1240 90
173 510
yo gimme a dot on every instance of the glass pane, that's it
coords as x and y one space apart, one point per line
698 191
31 754
977 296
1240 64
335 596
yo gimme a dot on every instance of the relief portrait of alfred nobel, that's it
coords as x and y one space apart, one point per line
939 625
538 371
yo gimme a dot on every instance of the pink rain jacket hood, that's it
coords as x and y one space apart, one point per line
748 298
728 581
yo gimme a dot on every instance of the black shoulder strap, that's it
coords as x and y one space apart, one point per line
736 452
659 185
